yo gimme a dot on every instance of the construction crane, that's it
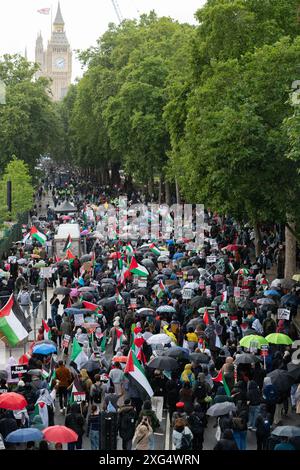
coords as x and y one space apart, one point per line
117 10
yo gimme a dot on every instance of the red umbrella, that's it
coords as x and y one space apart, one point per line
120 359
12 401
66 217
60 434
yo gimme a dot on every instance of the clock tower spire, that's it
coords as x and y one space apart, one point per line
58 58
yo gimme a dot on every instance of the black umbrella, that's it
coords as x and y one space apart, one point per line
148 263
294 371
197 301
87 296
246 359
281 379
62 290
194 322
249 332
108 290
200 358
167 271
91 366
193 272
3 374
163 363
247 304
159 277
176 352
142 291
145 312
85 258
108 280
177 292
108 301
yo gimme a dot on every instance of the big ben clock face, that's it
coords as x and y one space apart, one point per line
60 63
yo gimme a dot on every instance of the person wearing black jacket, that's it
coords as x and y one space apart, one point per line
172 393
263 427
254 399
8 424
93 429
227 442
126 424
197 423
75 421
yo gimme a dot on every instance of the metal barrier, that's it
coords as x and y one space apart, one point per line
12 235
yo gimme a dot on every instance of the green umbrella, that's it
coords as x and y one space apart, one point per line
247 340
279 338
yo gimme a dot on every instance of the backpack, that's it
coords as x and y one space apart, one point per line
186 441
196 424
97 394
200 392
111 408
238 424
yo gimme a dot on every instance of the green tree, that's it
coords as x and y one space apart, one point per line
22 189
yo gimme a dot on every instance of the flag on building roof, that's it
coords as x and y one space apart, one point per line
37 235
44 11
78 355
221 378
68 243
135 371
137 268
14 327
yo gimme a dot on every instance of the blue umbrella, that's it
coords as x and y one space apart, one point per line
271 292
25 435
178 256
44 349
290 300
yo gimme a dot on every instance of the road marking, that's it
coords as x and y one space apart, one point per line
167 442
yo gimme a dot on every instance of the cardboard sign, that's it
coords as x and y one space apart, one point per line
237 292
211 259
46 273
142 282
79 396
202 285
283 314
66 341
187 294
133 303
170 282
79 319
208 291
17 370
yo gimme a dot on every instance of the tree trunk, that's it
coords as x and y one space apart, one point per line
290 250
159 190
150 185
177 191
257 239
168 193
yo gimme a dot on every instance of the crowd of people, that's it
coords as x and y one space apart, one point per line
205 325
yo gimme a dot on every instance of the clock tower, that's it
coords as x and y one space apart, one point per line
57 59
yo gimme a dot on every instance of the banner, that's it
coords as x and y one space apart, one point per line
17 370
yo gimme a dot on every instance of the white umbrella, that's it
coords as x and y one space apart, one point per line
191 285
159 339
276 283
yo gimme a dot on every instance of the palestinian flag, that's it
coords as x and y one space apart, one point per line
47 330
97 309
129 250
137 268
120 336
119 298
154 249
224 296
39 236
206 318
69 255
135 372
221 378
26 237
14 327
78 393
124 275
161 291
68 243
78 355
137 348
103 343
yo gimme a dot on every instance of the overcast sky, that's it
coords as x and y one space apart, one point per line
85 20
